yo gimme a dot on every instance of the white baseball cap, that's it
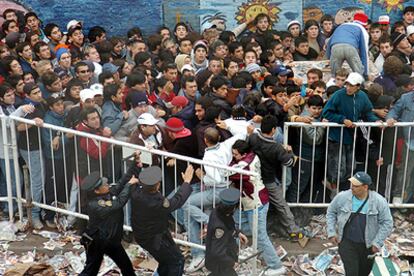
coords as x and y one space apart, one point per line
72 24
147 119
97 88
86 94
354 79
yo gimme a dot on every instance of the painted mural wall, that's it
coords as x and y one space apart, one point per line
234 12
117 16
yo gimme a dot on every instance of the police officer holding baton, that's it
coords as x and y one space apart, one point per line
106 216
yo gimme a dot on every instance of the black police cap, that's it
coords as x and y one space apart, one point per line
229 196
150 176
91 181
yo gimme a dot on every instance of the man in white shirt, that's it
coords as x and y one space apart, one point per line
214 180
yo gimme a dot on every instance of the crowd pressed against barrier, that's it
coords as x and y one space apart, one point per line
224 97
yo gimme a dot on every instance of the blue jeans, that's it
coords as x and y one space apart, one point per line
3 183
194 215
36 177
345 169
263 242
179 214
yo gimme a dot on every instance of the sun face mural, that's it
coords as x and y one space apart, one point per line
390 5
346 14
251 9
312 13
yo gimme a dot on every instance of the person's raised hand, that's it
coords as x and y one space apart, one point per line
188 174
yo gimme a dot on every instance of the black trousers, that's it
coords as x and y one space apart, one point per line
168 255
355 258
223 271
57 185
115 251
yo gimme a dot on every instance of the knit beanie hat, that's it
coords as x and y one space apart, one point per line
396 38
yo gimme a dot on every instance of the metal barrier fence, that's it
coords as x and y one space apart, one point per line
329 154
59 169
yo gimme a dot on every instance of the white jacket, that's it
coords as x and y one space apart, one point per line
221 155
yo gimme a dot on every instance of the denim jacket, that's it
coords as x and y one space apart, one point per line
379 220
403 111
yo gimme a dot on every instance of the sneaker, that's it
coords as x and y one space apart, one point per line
275 272
51 224
196 264
71 221
37 224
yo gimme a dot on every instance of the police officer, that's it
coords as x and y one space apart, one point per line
106 216
221 245
150 211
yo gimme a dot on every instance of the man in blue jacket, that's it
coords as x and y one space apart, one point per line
350 42
112 118
403 111
363 220
57 186
346 106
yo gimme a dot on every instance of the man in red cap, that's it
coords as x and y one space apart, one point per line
183 142
184 110
350 42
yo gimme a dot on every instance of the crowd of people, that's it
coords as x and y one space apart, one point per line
221 96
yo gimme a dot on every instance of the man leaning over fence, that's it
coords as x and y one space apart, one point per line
214 180
272 157
403 111
7 99
254 195
29 145
347 106
57 186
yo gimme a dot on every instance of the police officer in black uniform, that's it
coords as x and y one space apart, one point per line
221 244
150 211
106 216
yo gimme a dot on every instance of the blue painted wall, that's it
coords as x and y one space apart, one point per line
118 16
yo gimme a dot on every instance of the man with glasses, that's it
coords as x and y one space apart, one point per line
363 220
83 73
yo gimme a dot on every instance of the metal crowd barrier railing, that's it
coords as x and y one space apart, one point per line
72 196
375 148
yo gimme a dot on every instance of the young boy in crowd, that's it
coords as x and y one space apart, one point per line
375 33
302 50
310 136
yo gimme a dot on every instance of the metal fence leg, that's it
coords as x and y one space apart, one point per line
17 179
7 167
255 232
28 195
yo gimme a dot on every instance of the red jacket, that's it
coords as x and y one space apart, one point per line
92 147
